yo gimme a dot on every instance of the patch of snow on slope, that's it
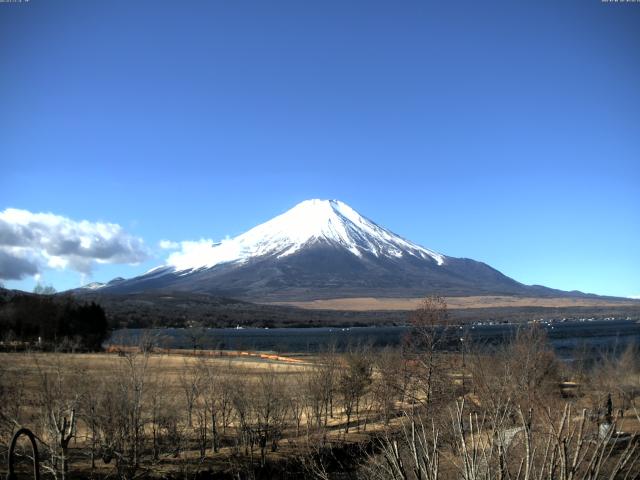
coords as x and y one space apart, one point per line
311 221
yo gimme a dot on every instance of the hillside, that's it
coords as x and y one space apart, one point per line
320 249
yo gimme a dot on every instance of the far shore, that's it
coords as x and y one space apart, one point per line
394 304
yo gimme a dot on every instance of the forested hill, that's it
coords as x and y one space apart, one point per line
50 321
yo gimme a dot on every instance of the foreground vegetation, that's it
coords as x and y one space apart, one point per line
50 322
410 413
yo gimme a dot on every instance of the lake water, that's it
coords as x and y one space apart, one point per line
567 338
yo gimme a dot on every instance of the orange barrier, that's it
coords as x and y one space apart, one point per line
120 349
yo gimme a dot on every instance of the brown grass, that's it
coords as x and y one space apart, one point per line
167 368
369 303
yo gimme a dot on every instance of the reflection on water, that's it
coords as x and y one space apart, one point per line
567 337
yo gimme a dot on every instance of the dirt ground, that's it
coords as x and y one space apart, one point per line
365 304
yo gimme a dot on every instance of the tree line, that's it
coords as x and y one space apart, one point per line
49 321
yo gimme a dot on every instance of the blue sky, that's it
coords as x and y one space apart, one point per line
507 132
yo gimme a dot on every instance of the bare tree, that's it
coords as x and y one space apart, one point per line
211 399
160 413
59 402
241 401
12 405
353 381
197 337
533 367
564 448
388 381
429 333
270 411
190 383
41 289
89 403
316 388
121 413
321 385
296 397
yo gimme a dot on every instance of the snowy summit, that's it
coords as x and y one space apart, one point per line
318 249
310 222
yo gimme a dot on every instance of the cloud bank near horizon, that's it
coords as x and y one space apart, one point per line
32 242
202 252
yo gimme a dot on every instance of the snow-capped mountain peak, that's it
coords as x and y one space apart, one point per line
312 221
99 285
317 249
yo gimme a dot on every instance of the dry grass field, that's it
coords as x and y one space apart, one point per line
201 414
38 386
382 304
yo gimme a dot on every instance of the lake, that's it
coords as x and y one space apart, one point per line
567 338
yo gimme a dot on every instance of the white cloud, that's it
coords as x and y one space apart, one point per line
30 242
168 245
204 252
635 297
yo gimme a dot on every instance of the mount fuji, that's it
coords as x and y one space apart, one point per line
320 249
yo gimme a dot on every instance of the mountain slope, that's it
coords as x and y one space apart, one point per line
321 249
309 223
